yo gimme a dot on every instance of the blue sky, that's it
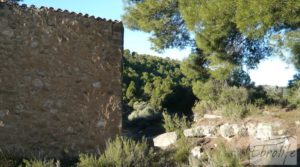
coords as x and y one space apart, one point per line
270 72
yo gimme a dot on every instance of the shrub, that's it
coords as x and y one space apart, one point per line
205 106
142 110
222 156
38 163
233 110
6 160
174 123
252 109
182 151
120 152
237 95
207 91
90 161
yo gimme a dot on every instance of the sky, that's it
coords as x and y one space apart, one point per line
272 71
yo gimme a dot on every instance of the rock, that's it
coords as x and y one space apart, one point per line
263 131
209 116
37 83
297 123
209 131
239 130
8 32
195 157
164 140
251 129
194 132
34 44
97 84
20 108
282 132
101 123
1 124
3 113
227 131
200 131
197 152
197 117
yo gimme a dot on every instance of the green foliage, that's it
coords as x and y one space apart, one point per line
160 18
182 151
209 90
120 152
205 106
6 160
142 110
90 161
222 156
234 110
130 92
219 92
219 98
192 67
233 94
230 33
293 91
154 80
175 123
38 163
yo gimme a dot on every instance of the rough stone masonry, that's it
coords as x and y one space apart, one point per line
60 81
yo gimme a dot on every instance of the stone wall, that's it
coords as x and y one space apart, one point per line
60 81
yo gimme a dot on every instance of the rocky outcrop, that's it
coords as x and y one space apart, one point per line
165 140
200 131
227 131
263 131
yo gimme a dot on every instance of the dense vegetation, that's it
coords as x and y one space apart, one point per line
153 85
226 37
229 33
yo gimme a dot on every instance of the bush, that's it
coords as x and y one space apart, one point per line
205 106
90 161
239 111
237 95
207 91
120 152
174 123
252 109
38 163
142 110
233 110
6 160
182 151
222 156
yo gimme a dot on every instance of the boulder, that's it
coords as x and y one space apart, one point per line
209 131
165 140
194 132
263 131
282 132
209 116
197 117
197 152
251 129
200 131
195 157
239 130
227 131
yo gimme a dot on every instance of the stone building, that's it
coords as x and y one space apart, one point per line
60 81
